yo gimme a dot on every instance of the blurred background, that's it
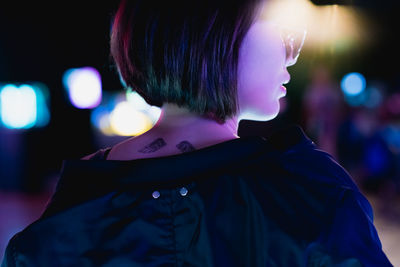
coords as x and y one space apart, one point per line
61 98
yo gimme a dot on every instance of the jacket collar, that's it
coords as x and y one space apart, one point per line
81 180
163 170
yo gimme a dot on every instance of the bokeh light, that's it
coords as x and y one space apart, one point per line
84 87
18 106
336 26
125 120
124 114
43 103
353 84
374 97
24 106
391 134
136 100
154 113
100 120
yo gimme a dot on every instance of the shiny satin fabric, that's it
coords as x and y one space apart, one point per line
251 201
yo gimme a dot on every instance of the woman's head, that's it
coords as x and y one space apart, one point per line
183 52
262 71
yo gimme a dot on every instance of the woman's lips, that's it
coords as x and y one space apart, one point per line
283 90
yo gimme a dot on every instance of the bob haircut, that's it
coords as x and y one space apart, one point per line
183 52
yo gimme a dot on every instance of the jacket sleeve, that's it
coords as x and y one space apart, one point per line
10 254
351 238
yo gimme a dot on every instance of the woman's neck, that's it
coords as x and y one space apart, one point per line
177 131
178 121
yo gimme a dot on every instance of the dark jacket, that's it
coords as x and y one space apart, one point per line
252 201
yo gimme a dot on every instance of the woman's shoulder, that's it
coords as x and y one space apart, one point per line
98 155
117 151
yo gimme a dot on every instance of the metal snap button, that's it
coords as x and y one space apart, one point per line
183 191
156 194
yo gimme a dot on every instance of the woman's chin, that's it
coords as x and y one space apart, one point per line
261 115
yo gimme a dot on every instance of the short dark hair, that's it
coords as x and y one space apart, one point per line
183 52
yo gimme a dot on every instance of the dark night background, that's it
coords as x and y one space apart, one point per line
38 42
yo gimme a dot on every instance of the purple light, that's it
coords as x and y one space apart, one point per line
84 87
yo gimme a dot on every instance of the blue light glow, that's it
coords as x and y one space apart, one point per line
25 106
374 97
353 84
18 106
43 100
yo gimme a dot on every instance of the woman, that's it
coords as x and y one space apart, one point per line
190 192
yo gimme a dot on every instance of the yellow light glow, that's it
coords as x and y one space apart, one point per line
125 120
340 26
